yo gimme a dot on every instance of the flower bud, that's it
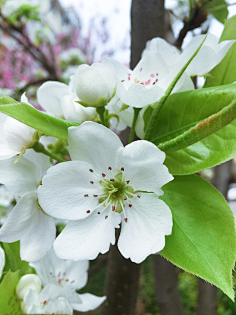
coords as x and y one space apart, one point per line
27 282
95 85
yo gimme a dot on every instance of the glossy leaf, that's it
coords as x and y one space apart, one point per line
203 237
9 303
218 8
34 118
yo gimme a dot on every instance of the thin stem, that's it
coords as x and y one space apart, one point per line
38 147
101 110
136 112
162 101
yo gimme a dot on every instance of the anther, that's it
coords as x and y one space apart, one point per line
109 168
130 205
138 196
113 208
126 220
153 83
99 212
88 211
91 182
122 80
45 302
95 195
127 181
86 195
122 169
106 216
103 175
91 170
141 69
156 80
125 198
112 180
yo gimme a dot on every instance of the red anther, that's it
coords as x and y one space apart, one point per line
86 195
125 198
109 168
122 80
91 182
141 69
126 220
112 180
103 175
113 208
152 75
67 280
127 181
45 302
99 212
138 196
122 169
130 205
95 195
156 80
106 216
91 170
88 211
153 83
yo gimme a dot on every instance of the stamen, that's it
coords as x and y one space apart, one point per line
130 205
112 180
138 196
45 302
86 195
122 169
99 212
126 220
122 80
106 216
88 211
103 175
91 170
152 75
125 198
153 83
91 182
113 208
95 195
109 168
128 181
141 69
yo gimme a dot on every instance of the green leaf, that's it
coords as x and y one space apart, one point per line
13 260
203 236
184 111
34 118
9 303
225 71
219 9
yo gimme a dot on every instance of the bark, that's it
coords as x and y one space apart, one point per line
207 293
166 287
147 22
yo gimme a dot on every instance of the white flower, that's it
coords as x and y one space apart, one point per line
95 82
5 198
48 301
210 54
15 137
102 185
29 281
70 276
2 260
27 222
147 83
59 100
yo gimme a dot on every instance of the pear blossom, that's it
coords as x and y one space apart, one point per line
27 221
15 137
94 83
2 260
60 100
104 184
210 54
69 276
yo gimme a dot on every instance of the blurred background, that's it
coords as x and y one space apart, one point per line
47 40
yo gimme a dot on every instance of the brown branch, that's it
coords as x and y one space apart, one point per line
34 82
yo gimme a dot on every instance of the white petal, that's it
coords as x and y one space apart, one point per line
2 261
85 239
139 96
59 306
89 302
49 96
94 144
121 70
19 178
67 192
41 161
149 220
28 281
142 163
29 224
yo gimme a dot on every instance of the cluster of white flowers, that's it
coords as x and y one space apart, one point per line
105 185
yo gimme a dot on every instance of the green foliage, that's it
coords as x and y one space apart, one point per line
34 118
197 118
9 303
225 71
203 237
218 8
25 13
13 260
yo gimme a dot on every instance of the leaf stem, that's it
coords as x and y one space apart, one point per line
162 101
136 112
38 147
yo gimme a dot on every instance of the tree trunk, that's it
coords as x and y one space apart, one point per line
166 287
207 293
